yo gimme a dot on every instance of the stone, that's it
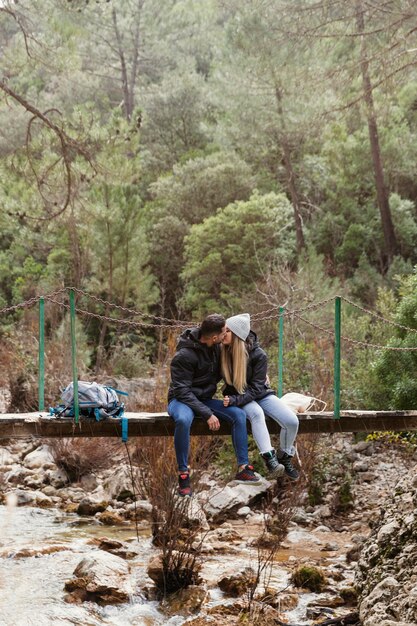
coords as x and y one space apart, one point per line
360 466
89 482
244 511
57 478
376 606
185 601
142 508
41 457
156 571
119 484
386 531
88 506
101 577
221 501
6 457
238 584
29 497
118 548
110 518
362 446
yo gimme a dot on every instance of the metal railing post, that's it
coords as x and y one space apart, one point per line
337 337
41 360
74 356
280 350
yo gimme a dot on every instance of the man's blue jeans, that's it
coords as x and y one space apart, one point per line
183 417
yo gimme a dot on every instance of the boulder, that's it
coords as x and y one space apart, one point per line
6 457
118 548
238 584
185 601
41 457
220 502
22 498
157 574
118 485
90 506
386 577
100 577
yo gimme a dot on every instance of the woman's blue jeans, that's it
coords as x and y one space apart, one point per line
183 417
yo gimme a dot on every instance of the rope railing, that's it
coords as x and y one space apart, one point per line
275 312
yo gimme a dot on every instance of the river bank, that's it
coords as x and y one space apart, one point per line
45 532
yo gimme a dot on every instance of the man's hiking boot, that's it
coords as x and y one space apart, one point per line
247 476
274 467
184 486
286 460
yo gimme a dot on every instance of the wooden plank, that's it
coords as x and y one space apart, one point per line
160 424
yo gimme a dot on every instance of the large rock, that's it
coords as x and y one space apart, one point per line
386 576
220 502
22 498
6 457
41 457
118 485
100 577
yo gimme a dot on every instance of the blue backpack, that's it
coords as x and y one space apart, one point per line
94 400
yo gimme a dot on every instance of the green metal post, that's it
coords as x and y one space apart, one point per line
41 362
337 336
74 356
280 350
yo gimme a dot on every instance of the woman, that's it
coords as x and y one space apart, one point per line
244 368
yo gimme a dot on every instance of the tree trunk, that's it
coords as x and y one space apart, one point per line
290 175
103 329
381 190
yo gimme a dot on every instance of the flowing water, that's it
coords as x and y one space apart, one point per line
40 548
32 587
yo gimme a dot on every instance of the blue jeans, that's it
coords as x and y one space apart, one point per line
275 408
183 417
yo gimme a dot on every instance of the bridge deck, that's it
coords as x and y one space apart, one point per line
160 424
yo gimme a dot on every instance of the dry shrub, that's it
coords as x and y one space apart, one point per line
284 499
80 456
178 538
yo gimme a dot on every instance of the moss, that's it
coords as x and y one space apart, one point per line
309 577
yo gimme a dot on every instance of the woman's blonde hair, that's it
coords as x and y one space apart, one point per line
234 360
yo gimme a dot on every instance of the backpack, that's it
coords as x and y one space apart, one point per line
94 400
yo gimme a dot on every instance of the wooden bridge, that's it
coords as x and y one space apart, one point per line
42 425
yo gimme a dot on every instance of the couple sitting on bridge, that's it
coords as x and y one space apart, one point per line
228 349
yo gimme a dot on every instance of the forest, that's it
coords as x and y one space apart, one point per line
176 158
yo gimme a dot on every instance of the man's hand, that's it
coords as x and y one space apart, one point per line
213 423
226 401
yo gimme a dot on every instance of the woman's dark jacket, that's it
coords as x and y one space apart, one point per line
195 372
257 387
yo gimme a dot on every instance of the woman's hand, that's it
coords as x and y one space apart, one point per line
226 401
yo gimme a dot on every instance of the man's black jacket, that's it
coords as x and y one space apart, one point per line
257 387
195 372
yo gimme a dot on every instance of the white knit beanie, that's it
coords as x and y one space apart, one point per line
239 325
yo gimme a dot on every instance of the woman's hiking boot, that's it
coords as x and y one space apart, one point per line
247 476
184 485
286 460
274 467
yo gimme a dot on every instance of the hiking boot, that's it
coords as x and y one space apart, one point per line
184 486
274 467
286 460
247 476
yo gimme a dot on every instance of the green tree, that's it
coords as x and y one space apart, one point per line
395 371
228 252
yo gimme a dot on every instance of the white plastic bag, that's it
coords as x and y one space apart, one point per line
300 403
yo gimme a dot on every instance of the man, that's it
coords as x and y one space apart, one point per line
195 372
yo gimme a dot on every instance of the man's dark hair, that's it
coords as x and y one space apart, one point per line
212 325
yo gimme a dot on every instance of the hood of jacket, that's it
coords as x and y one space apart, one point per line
253 341
190 338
